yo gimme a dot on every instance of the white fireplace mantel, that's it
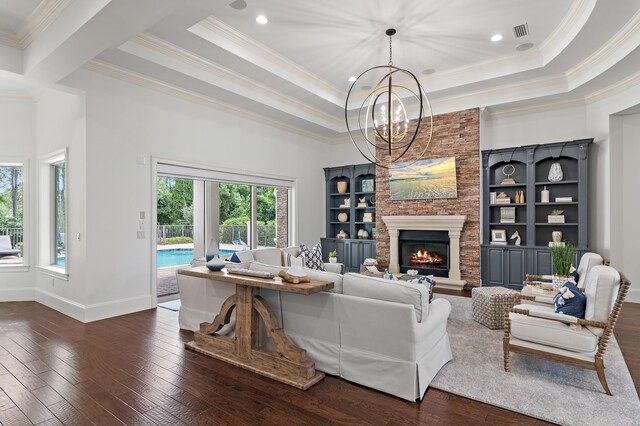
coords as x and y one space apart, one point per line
451 223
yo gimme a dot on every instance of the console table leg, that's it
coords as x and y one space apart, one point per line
246 321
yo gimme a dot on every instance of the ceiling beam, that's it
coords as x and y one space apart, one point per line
85 29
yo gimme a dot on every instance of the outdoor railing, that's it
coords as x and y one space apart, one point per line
16 234
171 231
229 234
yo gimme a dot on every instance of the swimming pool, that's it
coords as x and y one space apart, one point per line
181 256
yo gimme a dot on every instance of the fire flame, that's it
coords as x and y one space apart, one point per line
424 257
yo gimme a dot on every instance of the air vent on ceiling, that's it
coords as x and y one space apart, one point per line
521 30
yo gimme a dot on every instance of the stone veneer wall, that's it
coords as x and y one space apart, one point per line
456 134
282 217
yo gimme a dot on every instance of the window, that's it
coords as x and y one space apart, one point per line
59 214
11 214
53 250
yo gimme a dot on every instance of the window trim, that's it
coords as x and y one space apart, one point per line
26 223
47 261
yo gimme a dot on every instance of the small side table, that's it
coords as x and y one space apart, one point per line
488 304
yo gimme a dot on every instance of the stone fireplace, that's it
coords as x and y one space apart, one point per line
445 265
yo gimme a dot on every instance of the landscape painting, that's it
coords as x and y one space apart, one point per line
424 179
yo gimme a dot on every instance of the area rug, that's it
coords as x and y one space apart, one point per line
538 388
172 305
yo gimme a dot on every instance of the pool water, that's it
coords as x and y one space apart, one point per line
175 257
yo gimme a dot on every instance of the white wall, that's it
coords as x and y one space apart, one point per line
625 195
60 124
17 143
124 122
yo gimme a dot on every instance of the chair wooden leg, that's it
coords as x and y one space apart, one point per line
505 339
600 371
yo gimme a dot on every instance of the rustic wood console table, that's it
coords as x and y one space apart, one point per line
290 364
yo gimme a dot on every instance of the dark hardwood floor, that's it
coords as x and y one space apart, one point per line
134 369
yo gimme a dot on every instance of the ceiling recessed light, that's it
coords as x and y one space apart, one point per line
261 19
367 87
496 37
428 71
352 79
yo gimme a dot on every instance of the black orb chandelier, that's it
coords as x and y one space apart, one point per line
379 126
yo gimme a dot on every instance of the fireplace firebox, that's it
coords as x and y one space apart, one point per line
425 251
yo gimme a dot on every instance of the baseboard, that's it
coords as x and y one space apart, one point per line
61 304
116 308
633 296
95 312
17 294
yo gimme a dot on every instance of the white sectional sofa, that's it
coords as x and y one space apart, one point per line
378 333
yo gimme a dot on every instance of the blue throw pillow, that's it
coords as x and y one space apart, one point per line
428 281
575 275
234 258
570 301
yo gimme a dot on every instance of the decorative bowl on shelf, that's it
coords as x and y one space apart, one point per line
343 217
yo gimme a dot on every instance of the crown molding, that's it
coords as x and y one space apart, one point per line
38 21
620 45
519 62
591 98
304 111
9 39
169 89
570 26
534 109
16 96
275 62
616 88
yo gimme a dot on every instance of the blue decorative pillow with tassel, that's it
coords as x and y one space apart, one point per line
570 301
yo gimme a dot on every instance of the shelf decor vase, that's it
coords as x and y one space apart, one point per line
342 187
555 173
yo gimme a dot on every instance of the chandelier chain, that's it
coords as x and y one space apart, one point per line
390 52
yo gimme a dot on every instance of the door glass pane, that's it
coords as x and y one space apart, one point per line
174 231
235 217
11 228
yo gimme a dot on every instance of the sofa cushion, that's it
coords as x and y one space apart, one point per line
269 256
245 256
314 274
549 332
389 290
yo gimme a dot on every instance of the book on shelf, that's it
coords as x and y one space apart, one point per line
492 197
507 215
498 243
504 200
556 244
555 218
564 199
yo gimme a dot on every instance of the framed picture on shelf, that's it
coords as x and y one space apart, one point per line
499 236
367 185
